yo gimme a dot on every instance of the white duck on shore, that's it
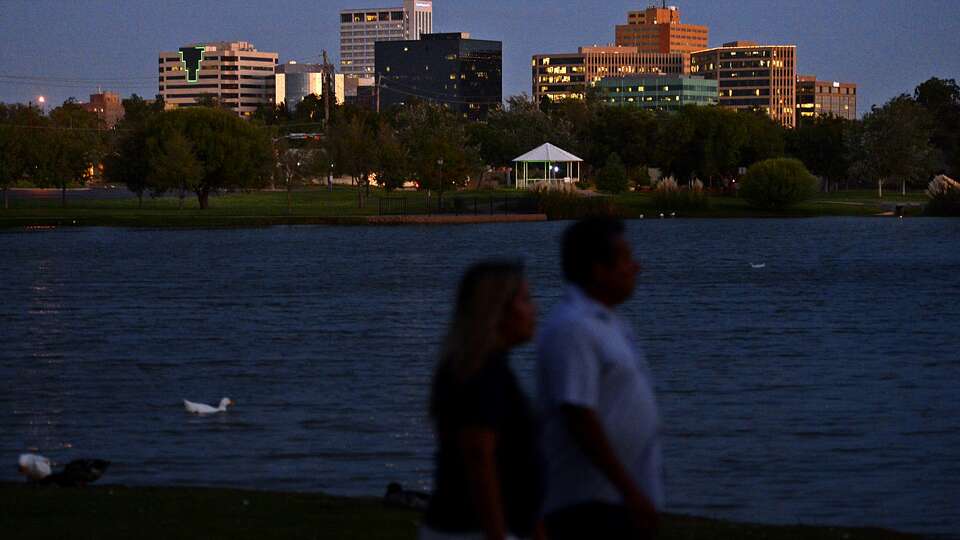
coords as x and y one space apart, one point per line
204 409
34 467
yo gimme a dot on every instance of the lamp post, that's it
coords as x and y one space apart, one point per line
43 104
440 198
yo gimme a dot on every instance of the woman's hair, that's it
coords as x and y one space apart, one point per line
474 333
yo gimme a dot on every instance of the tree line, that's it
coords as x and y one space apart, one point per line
200 150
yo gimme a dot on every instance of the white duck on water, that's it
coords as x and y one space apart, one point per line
204 409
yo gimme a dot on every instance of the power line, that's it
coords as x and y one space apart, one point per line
77 79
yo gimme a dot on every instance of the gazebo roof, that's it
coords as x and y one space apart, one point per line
548 152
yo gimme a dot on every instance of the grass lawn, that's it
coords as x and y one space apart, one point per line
316 206
262 208
114 512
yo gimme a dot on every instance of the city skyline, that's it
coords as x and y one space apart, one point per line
886 50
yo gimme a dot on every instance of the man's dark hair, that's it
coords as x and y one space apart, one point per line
587 243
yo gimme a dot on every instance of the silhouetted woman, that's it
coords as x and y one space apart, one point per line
488 476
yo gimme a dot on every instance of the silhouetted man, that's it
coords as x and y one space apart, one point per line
601 426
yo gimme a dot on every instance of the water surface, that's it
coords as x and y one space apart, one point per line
819 389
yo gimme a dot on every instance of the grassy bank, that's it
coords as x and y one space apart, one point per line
319 206
109 512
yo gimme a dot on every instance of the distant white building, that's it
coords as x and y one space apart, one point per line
293 82
361 28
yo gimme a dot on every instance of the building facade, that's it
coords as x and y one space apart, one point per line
360 29
234 74
107 106
659 30
660 93
825 98
463 74
752 77
293 82
568 76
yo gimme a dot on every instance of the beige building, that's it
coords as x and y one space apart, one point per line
107 106
752 77
825 98
569 75
361 28
235 74
659 30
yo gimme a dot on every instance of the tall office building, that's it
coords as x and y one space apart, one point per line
360 29
463 74
825 98
753 77
659 30
235 74
294 82
569 75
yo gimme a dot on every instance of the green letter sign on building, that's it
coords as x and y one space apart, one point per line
191 57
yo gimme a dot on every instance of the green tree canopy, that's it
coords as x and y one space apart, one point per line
73 145
941 99
440 154
822 144
21 143
893 144
230 152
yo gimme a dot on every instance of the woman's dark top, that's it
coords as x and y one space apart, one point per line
493 400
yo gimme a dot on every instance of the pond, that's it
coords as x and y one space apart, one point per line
820 388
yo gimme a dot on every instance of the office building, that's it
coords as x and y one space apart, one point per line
234 74
752 77
464 74
293 82
360 29
660 93
659 30
569 75
825 98
107 106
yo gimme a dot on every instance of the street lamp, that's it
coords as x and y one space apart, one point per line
440 163
42 101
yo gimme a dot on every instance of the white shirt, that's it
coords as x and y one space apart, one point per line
588 357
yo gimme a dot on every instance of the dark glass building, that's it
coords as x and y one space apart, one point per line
463 74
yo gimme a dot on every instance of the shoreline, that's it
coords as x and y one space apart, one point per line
115 511
118 208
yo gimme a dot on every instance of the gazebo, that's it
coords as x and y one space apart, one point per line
554 161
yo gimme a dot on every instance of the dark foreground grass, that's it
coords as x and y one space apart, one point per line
114 512
319 206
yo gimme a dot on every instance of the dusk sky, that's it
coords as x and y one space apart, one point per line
887 47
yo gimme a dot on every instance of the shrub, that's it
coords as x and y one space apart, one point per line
612 178
775 184
944 193
670 197
642 178
559 204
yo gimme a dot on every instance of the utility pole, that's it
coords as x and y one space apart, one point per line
327 90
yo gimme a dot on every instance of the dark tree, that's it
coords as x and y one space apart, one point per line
231 153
